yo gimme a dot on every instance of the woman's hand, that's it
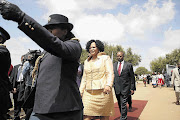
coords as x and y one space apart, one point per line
107 89
81 95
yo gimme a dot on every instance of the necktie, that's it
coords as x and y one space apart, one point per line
119 69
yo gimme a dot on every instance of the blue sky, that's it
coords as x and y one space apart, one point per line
150 27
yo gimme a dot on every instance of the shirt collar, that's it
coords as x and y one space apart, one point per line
122 62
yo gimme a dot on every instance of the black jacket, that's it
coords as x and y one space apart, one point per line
126 81
5 85
56 89
13 76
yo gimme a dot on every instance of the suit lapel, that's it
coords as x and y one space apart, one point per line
115 69
124 67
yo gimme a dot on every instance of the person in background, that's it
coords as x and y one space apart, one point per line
57 95
79 73
144 80
124 83
167 79
27 69
160 79
97 81
154 80
176 82
5 85
136 78
148 78
16 83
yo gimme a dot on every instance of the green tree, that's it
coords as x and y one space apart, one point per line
141 70
174 57
159 64
132 58
84 55
112 50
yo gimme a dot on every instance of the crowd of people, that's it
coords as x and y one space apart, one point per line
53 84
156 79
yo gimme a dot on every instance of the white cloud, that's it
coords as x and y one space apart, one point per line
155 52
172 39
104 27
136 23
101 4
18 47
151 54
145 18
70 8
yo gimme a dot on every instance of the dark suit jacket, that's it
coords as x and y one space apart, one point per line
13 76
5 85
126 81
56 89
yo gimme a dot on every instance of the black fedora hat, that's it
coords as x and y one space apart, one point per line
4 34
58 19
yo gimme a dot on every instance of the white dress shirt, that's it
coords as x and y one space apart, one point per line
122 64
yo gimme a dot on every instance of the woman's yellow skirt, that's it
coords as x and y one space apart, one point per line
97 103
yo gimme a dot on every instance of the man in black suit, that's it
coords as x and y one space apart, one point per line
124 83
57 95
5 85
129 100
14 79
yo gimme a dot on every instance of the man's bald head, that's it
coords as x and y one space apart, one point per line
120 56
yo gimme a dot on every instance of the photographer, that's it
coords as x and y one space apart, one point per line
57 95
28 67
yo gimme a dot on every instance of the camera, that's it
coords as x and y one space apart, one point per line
32 55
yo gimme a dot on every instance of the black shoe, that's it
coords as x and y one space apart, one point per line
16 118
130 108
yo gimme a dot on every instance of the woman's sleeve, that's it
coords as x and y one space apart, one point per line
109 71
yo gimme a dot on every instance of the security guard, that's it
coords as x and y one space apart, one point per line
57 95
5 63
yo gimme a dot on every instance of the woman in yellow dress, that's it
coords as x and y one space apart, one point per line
96 83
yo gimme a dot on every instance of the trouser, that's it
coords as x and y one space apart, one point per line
71 115
28 112
130 101
17 109
17 105
177 95
122 100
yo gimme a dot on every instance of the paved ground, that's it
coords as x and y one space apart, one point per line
160 104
